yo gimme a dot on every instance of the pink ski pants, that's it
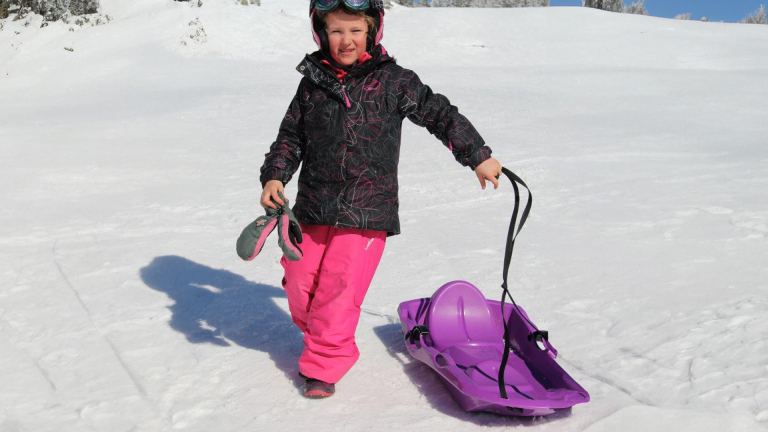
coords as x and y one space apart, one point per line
325 290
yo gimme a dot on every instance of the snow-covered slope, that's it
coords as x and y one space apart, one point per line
130 165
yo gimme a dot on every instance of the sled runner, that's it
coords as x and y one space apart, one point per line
490 357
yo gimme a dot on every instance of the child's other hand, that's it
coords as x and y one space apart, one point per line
271 188
490 169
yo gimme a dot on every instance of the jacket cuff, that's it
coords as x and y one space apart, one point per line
480 155
274 174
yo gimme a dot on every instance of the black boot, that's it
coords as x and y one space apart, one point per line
316 389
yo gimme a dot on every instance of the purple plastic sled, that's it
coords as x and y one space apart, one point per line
460 334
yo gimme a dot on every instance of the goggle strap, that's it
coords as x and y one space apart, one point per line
329 5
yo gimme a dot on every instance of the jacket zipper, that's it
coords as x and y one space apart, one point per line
346 98
349 105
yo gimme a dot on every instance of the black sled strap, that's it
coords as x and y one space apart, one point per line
511 237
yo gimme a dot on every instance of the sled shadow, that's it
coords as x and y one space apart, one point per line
223 308
431 386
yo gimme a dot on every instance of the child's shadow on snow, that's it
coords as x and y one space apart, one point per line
431 386
220 307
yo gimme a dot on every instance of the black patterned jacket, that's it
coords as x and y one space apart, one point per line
347 138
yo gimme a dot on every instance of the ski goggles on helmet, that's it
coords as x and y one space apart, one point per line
329 5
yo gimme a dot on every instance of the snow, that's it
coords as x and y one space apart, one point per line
130 165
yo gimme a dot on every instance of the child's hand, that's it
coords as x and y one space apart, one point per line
271 188
490 169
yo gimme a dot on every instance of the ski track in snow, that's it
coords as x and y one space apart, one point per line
130 165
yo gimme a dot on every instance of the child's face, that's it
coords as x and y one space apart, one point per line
346 36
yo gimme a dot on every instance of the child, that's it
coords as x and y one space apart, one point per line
343 126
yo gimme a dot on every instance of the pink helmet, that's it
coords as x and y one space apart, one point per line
372 8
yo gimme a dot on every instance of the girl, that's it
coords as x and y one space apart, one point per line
343 127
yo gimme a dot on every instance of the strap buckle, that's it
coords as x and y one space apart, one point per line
538 337
416 333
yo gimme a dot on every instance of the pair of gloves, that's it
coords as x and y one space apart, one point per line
254 236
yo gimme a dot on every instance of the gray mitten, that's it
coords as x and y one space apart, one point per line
254 236
289 233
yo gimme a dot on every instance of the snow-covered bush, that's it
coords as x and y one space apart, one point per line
704 19
525 3
82 7
685 17
249 2
637 8
199 3
196 33
759 17
52 10
608 5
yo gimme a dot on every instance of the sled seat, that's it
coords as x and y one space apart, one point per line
458 315
463 329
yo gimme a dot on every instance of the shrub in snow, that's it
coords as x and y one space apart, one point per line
192 3
196 33
637 8
685 16
52 10
83 7
704 19
525 3
758 17
608 5
94 21
249 2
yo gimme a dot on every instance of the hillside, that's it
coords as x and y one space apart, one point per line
130 166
